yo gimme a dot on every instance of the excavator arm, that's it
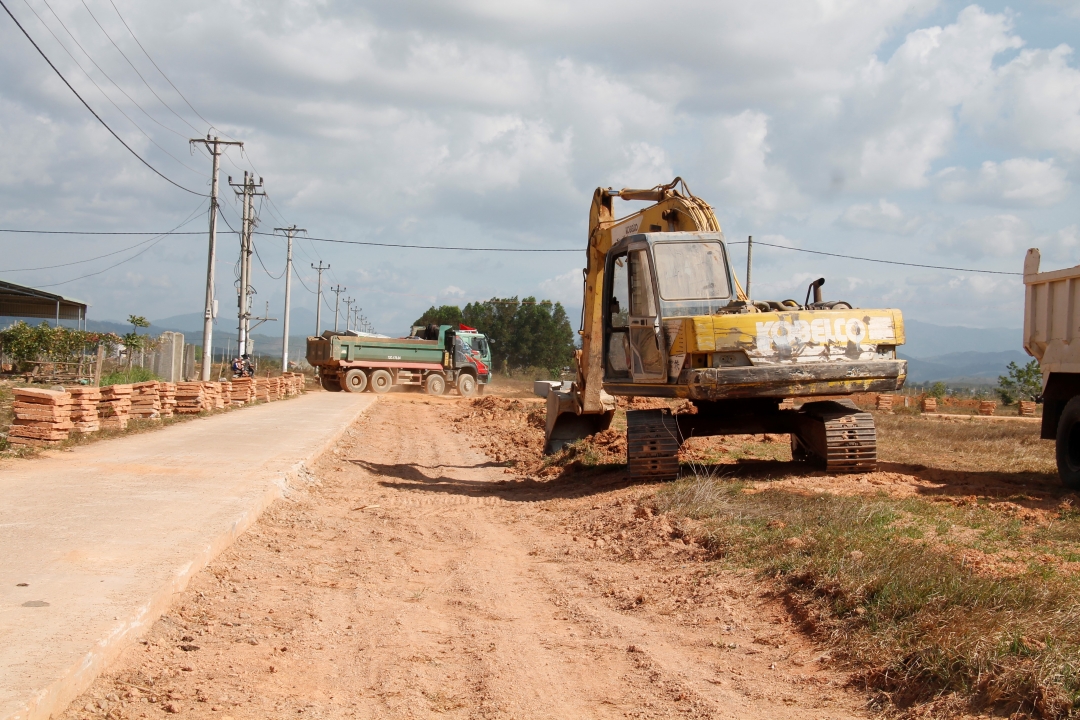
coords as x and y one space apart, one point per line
586 408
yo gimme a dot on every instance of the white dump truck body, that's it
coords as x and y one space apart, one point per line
1052 336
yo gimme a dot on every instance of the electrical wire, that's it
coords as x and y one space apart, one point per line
100 89
189 219
208 123
84 232
275 277
876 260
87 106
103 30
439 247
99 272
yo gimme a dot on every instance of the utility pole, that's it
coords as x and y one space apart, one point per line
289 232
318 299
210 311
337 304
248 191
348 313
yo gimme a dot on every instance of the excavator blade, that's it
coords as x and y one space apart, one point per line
565 425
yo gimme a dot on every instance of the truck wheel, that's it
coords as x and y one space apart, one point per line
1068 445
466 385
381 381
435 384
355 381
330 383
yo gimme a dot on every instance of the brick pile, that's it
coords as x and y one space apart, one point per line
115 407
190 398
226 394
42 417
146 401
262 387
885 403
929 405
276 388
84 409
1027 408
242 392
212 399
987 407
787 404
167 391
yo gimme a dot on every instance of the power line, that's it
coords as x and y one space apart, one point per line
208 123
106 33
85 232
275 277
107 77
190 217
441 247
876 260
87 106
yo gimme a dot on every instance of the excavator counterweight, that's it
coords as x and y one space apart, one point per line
664 316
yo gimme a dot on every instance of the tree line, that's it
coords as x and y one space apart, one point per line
523 333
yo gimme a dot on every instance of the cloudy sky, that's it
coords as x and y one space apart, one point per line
923 131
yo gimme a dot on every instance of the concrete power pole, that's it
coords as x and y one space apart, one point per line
248 191
337 304
348 313
318 299
210 311
289 232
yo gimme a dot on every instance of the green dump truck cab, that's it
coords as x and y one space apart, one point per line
435 358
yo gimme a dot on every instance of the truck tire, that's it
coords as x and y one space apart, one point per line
330 383
1068 444
435 384
355 381
381 381
466 385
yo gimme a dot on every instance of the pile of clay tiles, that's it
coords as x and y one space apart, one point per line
114 409
146 401
212 393
296 382
243 391
262 389
42 417
225 396
191 398
275 389
167 392
84 409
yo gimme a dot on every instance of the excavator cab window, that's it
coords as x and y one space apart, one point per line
618 341
634 346
693 277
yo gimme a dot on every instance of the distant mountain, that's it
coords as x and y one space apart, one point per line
977 368
925 340
300 320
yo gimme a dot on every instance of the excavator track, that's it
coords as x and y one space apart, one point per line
652 444
837 435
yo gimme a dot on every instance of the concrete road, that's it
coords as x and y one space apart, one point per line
94 543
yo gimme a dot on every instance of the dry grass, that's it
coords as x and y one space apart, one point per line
889 585
971 445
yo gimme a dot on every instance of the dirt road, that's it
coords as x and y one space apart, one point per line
416 577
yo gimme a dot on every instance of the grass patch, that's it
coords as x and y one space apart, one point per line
894 588
127 377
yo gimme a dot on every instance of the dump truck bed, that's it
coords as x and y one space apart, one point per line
395 352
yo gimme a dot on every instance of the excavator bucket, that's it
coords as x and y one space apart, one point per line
566 425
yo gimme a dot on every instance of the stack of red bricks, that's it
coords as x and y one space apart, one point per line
146 401
276 391
261 387
115 407
885 403
84 409
241 391
987 407
167 392
212 396
42 417
1027 408
929 405
190 398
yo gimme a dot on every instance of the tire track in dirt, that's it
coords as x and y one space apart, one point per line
414 577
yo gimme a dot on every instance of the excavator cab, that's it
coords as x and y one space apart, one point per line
652 277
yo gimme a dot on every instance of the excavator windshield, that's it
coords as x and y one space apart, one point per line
693 277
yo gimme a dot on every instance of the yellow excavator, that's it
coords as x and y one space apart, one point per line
664 316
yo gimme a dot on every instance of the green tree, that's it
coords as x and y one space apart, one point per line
133 341
442 315
524 333
937 390
1021 383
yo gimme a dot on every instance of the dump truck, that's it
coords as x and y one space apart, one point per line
1052 336
664 316
435 357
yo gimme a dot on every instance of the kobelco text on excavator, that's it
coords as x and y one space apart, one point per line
665 316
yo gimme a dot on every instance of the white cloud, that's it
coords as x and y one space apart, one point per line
750 180
566 288
994 235
883 216
1016 182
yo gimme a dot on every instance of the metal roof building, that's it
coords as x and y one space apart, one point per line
25 302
